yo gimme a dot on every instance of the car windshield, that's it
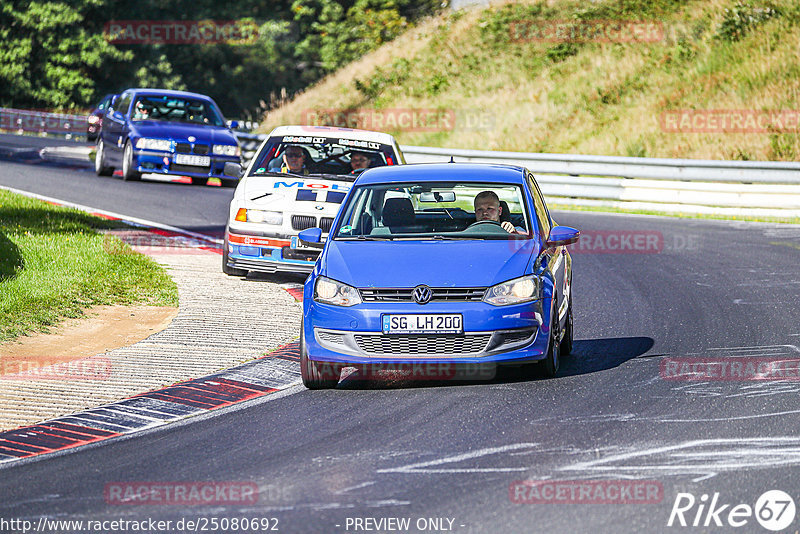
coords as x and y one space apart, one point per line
444 210
175 109
321 155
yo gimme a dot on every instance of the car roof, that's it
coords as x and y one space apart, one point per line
444 172
330 131
167 92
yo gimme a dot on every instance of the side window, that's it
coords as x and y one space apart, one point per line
541 210
124 103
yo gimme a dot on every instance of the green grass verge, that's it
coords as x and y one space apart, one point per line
54 264
677 215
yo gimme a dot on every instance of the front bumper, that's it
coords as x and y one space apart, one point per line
508 334
156 162
267 254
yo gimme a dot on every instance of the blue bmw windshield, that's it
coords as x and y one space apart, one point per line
443 210
175 109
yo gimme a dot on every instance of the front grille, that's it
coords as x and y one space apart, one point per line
413 345
516 336
325 223
188 168
186 148
440 294
301 222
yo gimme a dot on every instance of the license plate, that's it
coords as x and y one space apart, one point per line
188 159
298 245
437 323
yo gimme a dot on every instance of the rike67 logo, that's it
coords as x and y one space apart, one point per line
774 510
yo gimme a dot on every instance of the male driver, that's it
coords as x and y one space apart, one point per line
487 208
294 160
359 161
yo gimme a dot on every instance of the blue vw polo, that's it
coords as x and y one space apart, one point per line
438 263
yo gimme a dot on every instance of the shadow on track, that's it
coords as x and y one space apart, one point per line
588 356
593 355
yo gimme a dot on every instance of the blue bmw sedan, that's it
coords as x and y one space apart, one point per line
438 264
166 132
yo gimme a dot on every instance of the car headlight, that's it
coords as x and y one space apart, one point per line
227 150
94 119
154 144
336 293
259 216
516 291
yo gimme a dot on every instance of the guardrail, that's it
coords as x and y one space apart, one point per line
764 188
43 122
249 144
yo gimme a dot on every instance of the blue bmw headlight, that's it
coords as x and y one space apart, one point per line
516 291
332 292
227 150
147 143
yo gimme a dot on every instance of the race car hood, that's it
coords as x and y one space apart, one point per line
434 263
181 132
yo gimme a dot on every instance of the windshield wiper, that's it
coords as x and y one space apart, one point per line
456 238
366 238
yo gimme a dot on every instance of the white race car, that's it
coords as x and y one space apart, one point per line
297 180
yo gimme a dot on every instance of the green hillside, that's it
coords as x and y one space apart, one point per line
499 85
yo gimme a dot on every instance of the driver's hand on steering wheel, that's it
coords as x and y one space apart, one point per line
508 227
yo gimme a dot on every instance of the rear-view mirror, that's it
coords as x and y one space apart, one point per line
437 196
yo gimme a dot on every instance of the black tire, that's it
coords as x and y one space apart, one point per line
199 181
100 167
566 341
230 271
549 366
128 173
316 375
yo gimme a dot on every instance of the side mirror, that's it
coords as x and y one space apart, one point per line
234 170
311 237
562 235
117 115
233 124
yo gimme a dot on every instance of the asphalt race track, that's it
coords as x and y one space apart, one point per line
446 455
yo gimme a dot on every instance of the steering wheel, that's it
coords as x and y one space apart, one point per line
485 221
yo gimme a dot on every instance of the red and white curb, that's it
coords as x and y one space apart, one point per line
274 372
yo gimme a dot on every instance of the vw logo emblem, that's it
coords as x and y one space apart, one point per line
192 139
422 294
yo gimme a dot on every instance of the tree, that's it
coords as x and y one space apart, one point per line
51 53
